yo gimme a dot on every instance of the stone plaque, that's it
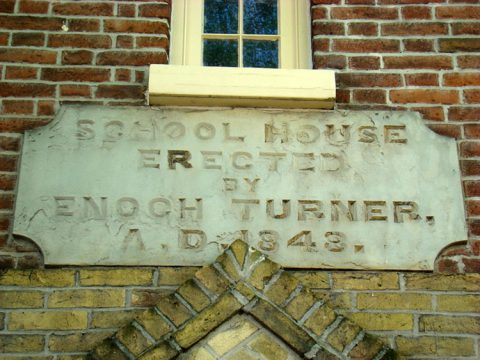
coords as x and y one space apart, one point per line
142 186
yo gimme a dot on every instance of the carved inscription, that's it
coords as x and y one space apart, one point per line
172 187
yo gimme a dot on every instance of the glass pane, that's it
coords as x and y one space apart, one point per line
220 53
260 17
220 16
260 54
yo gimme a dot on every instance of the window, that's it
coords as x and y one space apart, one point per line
241 33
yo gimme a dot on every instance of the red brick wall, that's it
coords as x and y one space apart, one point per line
389 54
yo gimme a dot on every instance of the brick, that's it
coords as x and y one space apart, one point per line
264 345
343 335
320 319
6 261
320 45
337 300
162 351
424 96
459 44
461 79
136 26
18 107
470 149
173 309
79 41
364 62
280 291
84 341
472 96
364 29
418 45
458 303
148 297
38 278
133 58
84 25
439 282
239 251
28 56
416 12
34 7
21 343
319 13
113 319
84 8
48 320
328 28
154 10
435 113
383 321
392 301
367 80
7 6
75 74
28 39
75 90
18 125
20 72
282 326
87 298
457 113
133 339
421 79
152 41
154 324
471 187
26 90
212 280
417 62
7 183
448 266
116 277
366 46
330 62
370 96
124 41
207 320
31 23
77 57
21 299
423 345
471 265
466 28
457 12
108 350
364 12
4 39
262 274
175 276
9 143
414 29
126 10
450 324
46 107
470 168
312 279
365 281
367 348
6 201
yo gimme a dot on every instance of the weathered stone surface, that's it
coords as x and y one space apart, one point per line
142 186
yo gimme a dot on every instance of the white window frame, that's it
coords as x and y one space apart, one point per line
294 25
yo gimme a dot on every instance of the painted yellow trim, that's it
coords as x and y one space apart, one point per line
248 87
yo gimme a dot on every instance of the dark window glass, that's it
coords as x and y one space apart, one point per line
220 16
262 54
220 53
260 17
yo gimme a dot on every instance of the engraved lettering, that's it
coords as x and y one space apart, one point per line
312 207
230 184
335 241
205 131
331 161
268 240
90 206
240 160
64 205
148 158
133 236
174 130
303 238
159 207
348 212
228 136
143 130
375 210
272 133
245 209
127 207
252 184
405 209
85 129
196 211
304 161
285 209
338 136
308 134
211 159
192 239
395 134
273 158
180 157
367 134
113 130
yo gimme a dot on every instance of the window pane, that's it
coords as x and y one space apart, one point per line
260 17
220 16
260 54
220 53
